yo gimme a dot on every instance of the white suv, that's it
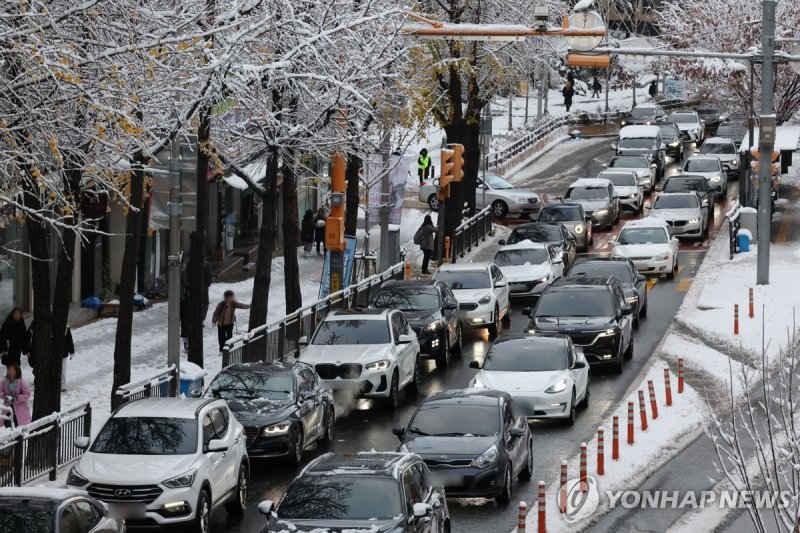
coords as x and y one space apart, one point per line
167 461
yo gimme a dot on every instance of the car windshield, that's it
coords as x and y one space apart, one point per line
683 118
643 112
621 180
147 435
575 303
676 201
603 269
587 193
702 165
729 130
681 185
496 182
642 236
522 356
540 233
668 130
456 420
252 385
342 497
629 162
533 256
28 515
352 331
636 144
407 298
717 148
465 279
560 214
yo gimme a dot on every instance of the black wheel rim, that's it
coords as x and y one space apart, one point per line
416 373
330 425
508 484
203 513
394 390
243 488
298 448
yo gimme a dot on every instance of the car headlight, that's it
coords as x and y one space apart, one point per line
695 130
520 199
704 203
486 458
433 326
674 144
632 196
579 229
601 211
383 364
715 179
561 386
274 430
545 278
632 299
622 122
653 166
485 300
734 162
662 257
184 480
75 478
694 220
610 332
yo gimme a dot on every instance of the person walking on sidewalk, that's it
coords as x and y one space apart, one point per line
224 317
307 232
425 237
14 340
423 166
319 230
16 394
653 90
568 91
596 88
69 352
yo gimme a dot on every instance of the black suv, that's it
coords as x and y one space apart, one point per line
644 115
695 183
553 233
367 491
593 312
572 217
671 137
623 269
432 312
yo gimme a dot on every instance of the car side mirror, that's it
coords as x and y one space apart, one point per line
658 188
527 311
604 165
403 339
648 205
217 445
640 277
306 395
266 507
81 442
399 432
557 260
450 306
422 510
517 432
303 341
196 393
587 218
675 240
613 242
578 365
613 146
627 310
500 284
501 242
475 364
572 238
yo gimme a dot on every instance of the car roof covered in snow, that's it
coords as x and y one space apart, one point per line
527 244
639 132
463 267
164 407
590 182
646 222
467 397
718 140
359 314
386 464
708 157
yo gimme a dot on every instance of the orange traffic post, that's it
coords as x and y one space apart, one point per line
642 410
447 249
542 515
601 460
653 405
562 491
630 423
523 515
680 375
735 319
615 439
667 387
752 308
407 272
582 474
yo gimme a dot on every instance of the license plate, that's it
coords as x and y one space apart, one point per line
126 510
446 479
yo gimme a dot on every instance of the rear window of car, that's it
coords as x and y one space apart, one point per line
532 256
588 302
629 162
717 148
560 214
681 185
621 271
702 165
540 233
465 279
677 201
521 356
683 117
352 331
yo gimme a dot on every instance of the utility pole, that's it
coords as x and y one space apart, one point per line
174 258
510 107
386 148
766 140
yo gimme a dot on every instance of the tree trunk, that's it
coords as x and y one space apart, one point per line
266 241
198 292
127 284
290 226
352 196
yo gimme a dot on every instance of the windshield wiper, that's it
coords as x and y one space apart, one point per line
417 431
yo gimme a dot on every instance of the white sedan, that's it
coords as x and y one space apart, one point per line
501 195
648 244
529 267
546 375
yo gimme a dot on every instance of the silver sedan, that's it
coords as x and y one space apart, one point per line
504 198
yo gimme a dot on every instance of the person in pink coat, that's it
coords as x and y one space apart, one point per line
16 393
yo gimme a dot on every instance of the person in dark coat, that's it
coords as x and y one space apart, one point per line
319 230
568 91
653 90
428 243
596 88
307 232
14 340
69 352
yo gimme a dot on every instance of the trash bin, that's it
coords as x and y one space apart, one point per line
191 378
748 219
743 236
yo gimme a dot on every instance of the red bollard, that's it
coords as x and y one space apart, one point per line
667 387
523 514
630 423
601 459
583 467
642 410
735 319
615 439
653 404
542 516
752 308
680 375
562 491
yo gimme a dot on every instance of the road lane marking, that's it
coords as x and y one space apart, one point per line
651 282
684 284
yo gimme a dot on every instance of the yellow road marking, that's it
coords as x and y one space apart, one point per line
783 232
651 282
684 284
678 273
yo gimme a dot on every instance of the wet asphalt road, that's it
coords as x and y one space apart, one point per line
367 426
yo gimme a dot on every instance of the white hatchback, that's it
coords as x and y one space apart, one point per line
167 462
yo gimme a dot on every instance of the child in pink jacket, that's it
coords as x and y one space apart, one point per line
16 393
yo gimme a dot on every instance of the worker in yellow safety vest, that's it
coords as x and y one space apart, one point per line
423 166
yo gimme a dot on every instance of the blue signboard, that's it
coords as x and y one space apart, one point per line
349 260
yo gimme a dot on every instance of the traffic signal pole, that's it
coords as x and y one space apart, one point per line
452 170
334 225
766 141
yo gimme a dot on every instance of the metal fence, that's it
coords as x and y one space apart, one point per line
733 228
161 385
470 233
42 447
280 340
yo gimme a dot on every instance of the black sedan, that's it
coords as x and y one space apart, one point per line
556 235
643 115
633 284
474 441
282 407
368 491
432 312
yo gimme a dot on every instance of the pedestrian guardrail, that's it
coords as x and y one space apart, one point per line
280 340
470 233
42 447
161 385
733 228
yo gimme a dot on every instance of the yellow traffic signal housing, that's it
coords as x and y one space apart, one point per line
589 60
458 161
446 173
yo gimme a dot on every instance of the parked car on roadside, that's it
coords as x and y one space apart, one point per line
370 353
671 137
691 126
554 234
709 167
366 491
598 199
529 267
626 188
623 269
649 245
503 197
52 510
644 168
724 150
474 442
683 214
574 218
281 406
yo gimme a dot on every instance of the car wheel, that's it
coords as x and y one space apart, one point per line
203 513
636 322
456 350
527 472
236 507
433 202
298 447
629 351
585 402
570 420
446 527
499 209
672 273
443 357
618 362
393 401
643 312
505 497
507 318
330 422
494 328
416 378
591 241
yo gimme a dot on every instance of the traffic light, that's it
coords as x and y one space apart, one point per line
448 163
458 161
